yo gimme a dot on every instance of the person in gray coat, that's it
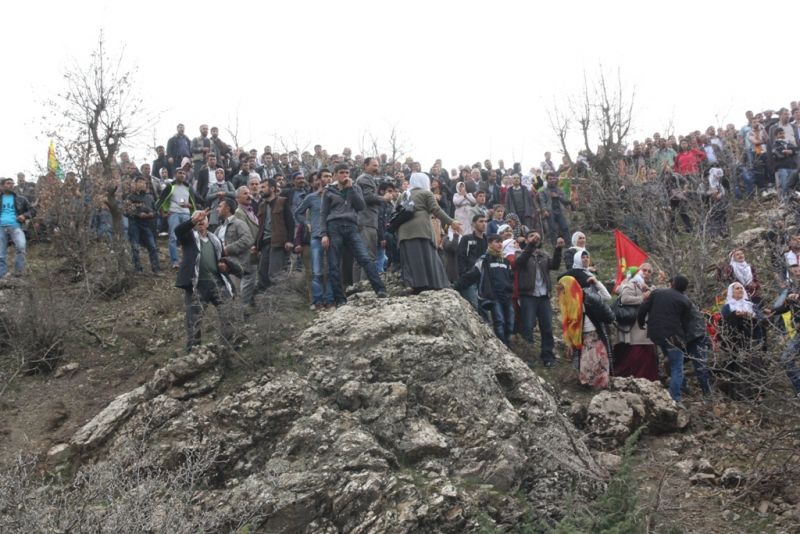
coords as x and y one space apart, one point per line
422 267
368 217
235 237
217 190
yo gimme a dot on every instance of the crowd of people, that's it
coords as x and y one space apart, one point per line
235 220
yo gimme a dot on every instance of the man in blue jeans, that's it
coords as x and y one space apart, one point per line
668 314
178 200
495 288
534 265
339 220
307 216
14 212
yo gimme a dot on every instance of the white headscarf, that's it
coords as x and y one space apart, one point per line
741 270
575 237
509 247
743 304
715 175
576 259
419 180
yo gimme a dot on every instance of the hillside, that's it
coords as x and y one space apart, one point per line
426 421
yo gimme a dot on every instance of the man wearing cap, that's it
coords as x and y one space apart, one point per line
178 147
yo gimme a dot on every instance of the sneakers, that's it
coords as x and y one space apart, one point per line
175 266
382 294
549 364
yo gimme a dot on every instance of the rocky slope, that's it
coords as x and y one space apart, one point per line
399 415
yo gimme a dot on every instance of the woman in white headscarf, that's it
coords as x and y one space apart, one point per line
742 339
463 201
422 267
578 244
738 270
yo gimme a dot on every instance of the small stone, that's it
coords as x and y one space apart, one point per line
60 453
763 507
685 467
66 369
608 460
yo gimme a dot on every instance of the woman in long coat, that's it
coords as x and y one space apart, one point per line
422 266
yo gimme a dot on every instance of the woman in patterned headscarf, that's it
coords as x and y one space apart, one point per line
517 228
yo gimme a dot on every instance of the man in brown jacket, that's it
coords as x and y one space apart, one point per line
275 232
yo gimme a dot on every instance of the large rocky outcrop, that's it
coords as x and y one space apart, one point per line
401 415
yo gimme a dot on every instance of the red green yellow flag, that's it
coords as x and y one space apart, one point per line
628 255
52 162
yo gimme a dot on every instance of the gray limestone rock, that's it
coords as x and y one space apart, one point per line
410 416
629 403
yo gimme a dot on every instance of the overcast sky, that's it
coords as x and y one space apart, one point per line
461 81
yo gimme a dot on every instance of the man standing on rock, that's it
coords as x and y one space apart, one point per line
668 313
470 248
368 217
339 220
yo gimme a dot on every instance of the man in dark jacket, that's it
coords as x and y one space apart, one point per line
368 217
534 265
139 208
14 211
470 249
204 277
275 233
179 146
161 162
206 176
339 220
552 201
520 202
495 288
668 314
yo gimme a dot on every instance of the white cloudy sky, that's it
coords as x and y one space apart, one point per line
460 80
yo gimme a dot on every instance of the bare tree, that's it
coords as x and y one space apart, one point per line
100 110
